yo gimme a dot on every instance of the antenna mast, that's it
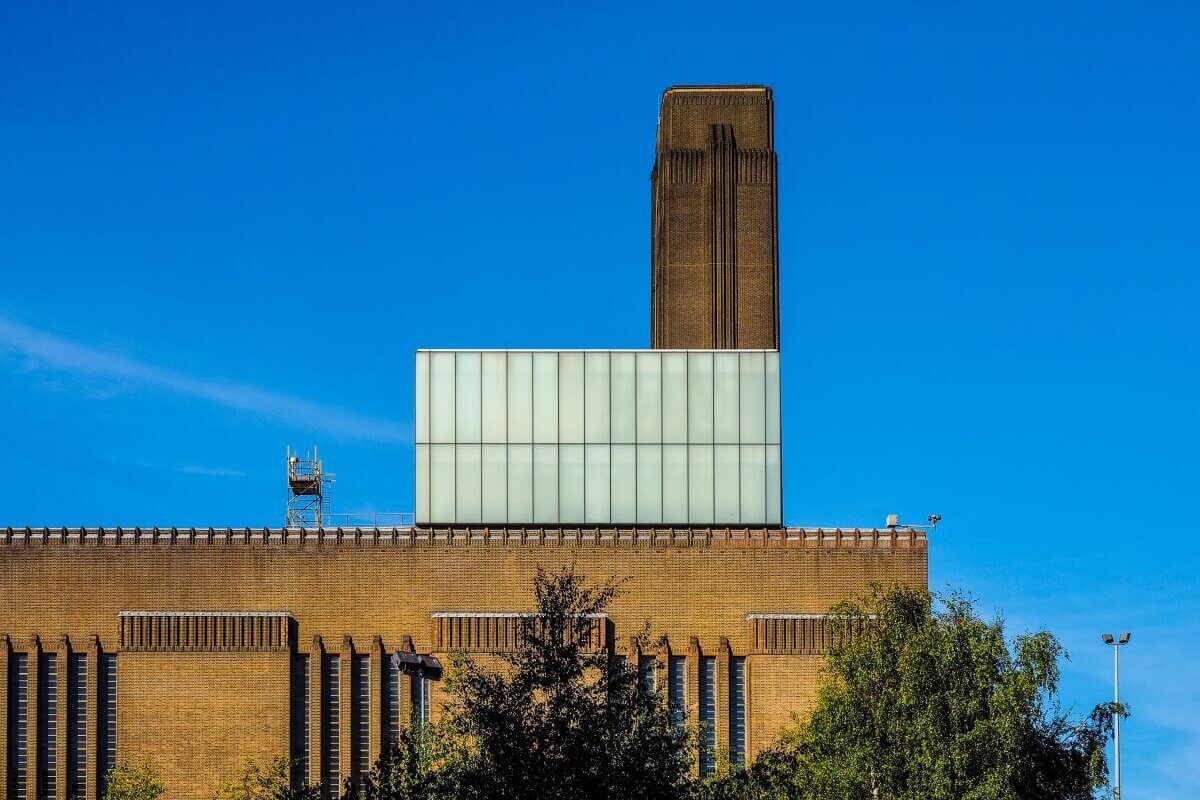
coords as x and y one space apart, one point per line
307 489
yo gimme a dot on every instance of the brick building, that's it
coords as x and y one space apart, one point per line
194 649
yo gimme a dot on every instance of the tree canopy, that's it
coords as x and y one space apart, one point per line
920 699
923 700
555 719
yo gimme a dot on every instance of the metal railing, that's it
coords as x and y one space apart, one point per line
384 519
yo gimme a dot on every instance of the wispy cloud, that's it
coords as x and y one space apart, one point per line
211 472
188 468
47 352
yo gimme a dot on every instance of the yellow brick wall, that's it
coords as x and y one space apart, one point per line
778 689
201 715
196 715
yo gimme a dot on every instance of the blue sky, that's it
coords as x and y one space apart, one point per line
225 228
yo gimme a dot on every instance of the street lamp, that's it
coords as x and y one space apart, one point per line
1116 646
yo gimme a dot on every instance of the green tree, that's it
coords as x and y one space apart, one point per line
127 782
923 700
555 721
255 783
425 764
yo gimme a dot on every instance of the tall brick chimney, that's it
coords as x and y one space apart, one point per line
714 222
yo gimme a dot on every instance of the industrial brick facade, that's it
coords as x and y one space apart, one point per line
192 650
212 682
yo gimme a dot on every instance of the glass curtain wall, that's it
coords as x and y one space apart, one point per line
598 437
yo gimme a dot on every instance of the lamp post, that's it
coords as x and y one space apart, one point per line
1116 646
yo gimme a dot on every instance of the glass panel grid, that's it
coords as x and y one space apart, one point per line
494 398
702 428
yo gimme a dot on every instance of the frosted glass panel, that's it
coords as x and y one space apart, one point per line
441 483
675 484
467 464
495 482
545 398
700 484
545 483
597 437
752 410
774 486
520 397
754 482
649 484
421 490
467 398
441 397
624 484
570 398
421 406
700 398
624 398
570 484
674 398
649 398
495 398
520 482
595 403
725 397
773 398
597 483
726 484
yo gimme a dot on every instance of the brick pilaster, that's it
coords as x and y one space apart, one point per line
93 719
404 687
316 698
662 671
722 715
345 707
691 689
378 711
33 713
62 689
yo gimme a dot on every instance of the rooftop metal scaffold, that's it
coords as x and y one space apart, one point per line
307 490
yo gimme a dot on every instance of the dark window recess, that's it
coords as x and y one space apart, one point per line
420 700
18 722
331 775
299 711
106 719
391 702
77 700
737 711
48 726
647 674
360 711
677 689
616 669
708 714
